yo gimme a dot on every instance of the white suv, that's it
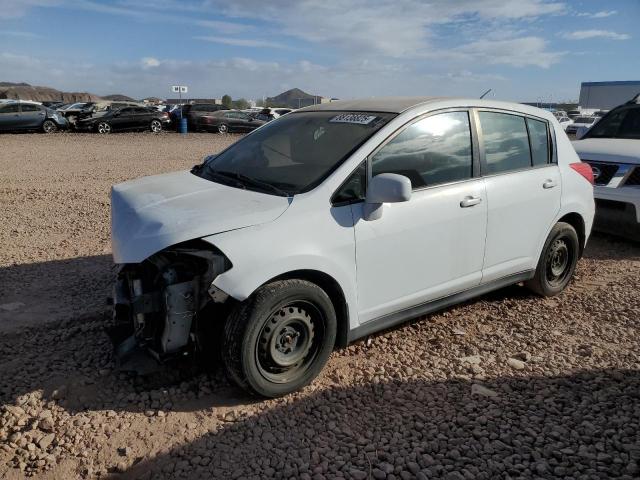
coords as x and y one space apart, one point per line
342 219
612 148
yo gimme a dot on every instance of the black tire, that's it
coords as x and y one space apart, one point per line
49 126
223 128
288 315
557 262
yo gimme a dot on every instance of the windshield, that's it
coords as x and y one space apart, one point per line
294 153
623 123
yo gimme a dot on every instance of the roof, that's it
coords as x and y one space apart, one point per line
610 84
379 104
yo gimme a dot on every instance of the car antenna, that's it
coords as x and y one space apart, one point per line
485 93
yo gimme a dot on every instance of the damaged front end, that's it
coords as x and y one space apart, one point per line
159 302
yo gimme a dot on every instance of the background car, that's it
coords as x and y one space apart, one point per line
30 116
612 148
128 118
582 121
194 112
225 121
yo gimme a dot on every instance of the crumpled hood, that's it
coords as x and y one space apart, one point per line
152 213
620 150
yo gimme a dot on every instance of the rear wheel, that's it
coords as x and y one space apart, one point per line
279 339
49 126
103 128
557 262
156 126
223 128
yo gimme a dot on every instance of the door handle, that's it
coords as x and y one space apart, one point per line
549 184
470 201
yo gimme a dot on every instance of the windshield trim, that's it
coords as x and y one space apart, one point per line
313 185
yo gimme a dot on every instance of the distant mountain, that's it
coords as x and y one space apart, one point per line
294 98
119 98
24 91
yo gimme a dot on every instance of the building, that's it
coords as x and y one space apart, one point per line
177 101
606 95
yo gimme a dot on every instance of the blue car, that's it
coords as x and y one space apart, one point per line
30 116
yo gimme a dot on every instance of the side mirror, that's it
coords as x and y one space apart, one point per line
580 132
385 188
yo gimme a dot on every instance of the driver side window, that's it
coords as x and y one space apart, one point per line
431 151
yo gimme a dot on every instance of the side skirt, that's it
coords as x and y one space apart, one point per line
401 316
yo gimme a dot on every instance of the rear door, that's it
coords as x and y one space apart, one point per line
523 189
31 115
9 116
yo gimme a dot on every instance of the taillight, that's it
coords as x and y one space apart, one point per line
583 169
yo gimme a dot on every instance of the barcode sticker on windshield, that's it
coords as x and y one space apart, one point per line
360 119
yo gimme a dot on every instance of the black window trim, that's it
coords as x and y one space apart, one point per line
475 157
343 203
552 159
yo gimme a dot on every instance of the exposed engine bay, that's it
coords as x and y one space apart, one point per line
158 302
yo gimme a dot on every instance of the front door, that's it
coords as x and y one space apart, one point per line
433 245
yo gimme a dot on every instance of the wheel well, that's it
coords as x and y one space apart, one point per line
576 221
335 293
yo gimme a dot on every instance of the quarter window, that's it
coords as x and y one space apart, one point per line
539 140
353 190
431 151
506 145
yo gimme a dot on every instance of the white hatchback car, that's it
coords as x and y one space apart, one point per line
342 219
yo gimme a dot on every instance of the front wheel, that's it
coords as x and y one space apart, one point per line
223 128
279 339
103 128
156 126
557 262
49 126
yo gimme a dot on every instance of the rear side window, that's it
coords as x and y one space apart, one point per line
14 108
26 107
539 140
506 144
431 151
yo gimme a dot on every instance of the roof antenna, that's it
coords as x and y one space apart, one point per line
484 94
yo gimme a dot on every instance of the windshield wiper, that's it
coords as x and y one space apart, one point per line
248 181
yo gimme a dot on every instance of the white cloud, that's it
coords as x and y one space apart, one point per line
150 62
19 34
19 8
601 14
586 34
516 52
242 42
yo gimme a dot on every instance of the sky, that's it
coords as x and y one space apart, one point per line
524 50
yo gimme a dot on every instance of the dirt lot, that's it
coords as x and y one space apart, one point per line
507 386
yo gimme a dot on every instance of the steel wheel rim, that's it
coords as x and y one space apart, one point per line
49 126
223 129
104 127
558 261
289 341
155 126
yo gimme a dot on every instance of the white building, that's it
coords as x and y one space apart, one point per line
606 95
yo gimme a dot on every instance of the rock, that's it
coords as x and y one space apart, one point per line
46 441
46 424
515 363
477 389
473 359
125 451
358 474
378 474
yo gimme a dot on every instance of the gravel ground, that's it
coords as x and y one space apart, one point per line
506 386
